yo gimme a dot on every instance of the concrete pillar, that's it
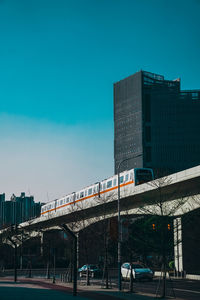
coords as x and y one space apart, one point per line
77 236
41 243
178 247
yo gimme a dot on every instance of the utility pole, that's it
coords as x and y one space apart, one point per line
15 252
74 237
119 222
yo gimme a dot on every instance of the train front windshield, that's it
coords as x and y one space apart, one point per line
143 175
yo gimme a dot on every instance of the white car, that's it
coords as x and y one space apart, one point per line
139 271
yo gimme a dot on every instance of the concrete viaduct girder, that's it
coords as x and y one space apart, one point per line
180 191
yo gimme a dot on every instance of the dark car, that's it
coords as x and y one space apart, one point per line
93 270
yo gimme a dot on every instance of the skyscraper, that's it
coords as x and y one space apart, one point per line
18 209
155 122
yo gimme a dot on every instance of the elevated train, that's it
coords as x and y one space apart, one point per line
131 177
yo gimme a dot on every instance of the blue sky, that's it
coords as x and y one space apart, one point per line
58 62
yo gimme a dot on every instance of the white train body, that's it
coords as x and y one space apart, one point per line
99 190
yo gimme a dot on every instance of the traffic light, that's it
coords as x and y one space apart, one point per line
154 226
168 226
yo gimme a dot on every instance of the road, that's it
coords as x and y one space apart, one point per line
42 289
182 288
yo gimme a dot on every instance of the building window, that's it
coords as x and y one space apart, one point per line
147 108
148 154
148 134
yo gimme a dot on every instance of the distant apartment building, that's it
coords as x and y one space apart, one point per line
2 200
155 122
18 209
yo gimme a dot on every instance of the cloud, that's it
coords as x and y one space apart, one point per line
49 160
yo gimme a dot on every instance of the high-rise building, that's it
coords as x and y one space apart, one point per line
18 209
155 123
2 200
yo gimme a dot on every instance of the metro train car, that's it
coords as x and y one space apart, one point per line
105 187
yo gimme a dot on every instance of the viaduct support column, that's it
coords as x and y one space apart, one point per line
178 247
41 243
74 237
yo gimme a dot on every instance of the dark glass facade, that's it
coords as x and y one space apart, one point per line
155 123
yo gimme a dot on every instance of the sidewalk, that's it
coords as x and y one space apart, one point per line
60 291
83 292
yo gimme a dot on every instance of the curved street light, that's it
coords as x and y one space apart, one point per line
119 222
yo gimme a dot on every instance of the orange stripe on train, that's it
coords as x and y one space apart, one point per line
84 198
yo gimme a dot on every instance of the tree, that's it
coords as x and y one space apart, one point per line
162 209
93 230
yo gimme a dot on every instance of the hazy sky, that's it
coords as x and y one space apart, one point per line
58 62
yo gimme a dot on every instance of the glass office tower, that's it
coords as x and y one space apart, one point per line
155 123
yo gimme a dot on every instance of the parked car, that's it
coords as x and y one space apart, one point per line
94 271
138 270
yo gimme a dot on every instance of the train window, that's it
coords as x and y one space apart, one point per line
126 177
104 186
67 200
131 176
85 193
121 179
90 192
61 202
77 195
115 182
81 194
109 184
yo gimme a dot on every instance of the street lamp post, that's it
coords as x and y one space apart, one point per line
119 222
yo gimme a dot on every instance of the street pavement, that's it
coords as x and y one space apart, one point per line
39 289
